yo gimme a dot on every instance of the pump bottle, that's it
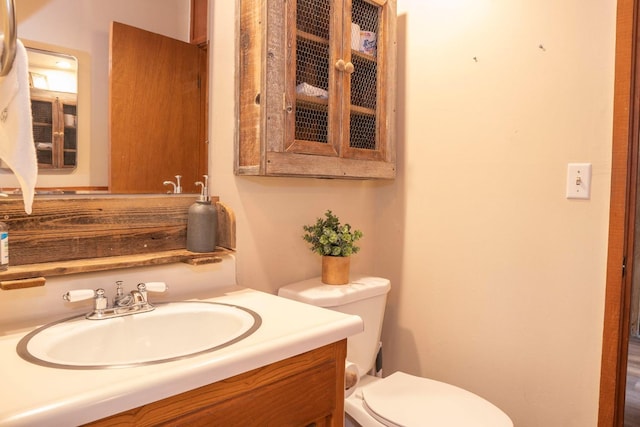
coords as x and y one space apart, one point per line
202 222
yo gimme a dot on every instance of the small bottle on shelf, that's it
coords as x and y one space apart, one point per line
4 246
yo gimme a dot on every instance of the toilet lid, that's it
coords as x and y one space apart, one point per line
405 400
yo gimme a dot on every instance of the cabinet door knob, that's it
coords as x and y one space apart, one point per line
349 68
340 65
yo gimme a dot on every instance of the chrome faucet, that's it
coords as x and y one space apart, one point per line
123 304
120 300
177 187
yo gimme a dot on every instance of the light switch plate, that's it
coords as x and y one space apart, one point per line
579 181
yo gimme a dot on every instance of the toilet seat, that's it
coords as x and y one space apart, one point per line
406 400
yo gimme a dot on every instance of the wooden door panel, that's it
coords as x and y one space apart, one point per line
154 112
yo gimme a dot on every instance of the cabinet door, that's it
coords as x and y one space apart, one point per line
155 112
67 134
337 52
42 111
313 88
365 80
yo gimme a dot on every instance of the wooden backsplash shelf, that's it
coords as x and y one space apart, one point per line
61 268
67 235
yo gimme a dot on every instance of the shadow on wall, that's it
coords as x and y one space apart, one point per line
399 347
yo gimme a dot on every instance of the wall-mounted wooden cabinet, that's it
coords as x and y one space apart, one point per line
317 88
54 129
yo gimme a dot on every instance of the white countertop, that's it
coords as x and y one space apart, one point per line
33 395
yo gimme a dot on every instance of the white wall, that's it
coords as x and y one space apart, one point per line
81 28
498 280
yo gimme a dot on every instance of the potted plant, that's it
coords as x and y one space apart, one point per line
336 243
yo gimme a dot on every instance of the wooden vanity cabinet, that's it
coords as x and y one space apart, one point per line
304 390
56 140
314 101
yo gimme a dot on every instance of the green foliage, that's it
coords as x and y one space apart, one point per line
329 238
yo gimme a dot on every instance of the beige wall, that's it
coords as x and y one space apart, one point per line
498 280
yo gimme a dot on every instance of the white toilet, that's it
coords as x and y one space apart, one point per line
399 399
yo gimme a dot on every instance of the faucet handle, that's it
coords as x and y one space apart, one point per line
100 302
143 288
154 286
79 295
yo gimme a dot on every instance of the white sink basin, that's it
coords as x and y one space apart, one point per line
172 331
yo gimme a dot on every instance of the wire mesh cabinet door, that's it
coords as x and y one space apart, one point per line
54 129
313 89
367 80
322 103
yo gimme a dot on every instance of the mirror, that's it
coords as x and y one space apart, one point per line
53 86
81 29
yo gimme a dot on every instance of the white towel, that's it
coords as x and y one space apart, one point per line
16 133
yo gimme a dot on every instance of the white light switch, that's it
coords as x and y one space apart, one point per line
579 181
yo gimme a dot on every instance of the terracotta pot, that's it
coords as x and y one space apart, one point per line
335 270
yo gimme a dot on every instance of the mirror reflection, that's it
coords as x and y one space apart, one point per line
53 83
81 29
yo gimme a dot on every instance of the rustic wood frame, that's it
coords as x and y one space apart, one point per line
67 235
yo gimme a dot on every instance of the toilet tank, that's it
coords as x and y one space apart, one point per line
364 296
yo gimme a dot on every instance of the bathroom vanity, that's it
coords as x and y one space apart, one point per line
290 371
300 391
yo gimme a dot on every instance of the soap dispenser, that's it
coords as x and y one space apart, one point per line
202 222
